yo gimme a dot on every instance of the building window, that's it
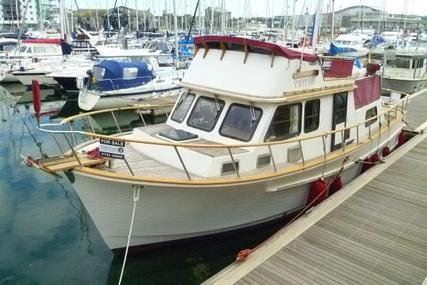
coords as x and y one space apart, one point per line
286 123
370 113
311 115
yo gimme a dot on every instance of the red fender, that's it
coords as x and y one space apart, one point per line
318 192
336 185
36 98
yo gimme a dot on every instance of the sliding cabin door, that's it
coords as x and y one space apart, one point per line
339 119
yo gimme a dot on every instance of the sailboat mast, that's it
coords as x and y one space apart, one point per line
61 17
175 23
17 16
136 15
333 19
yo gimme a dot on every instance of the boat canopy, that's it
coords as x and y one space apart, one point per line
112 75
233 43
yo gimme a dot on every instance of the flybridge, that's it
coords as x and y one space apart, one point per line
247 45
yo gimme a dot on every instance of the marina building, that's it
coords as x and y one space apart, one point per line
31 14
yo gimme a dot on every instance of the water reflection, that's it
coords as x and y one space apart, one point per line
46 235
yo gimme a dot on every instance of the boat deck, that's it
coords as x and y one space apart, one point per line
373 231
145 165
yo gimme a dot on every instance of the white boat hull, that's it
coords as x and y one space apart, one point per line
7 77
172 212
92 100
408 86
28 77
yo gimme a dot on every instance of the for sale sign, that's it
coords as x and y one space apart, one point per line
112 148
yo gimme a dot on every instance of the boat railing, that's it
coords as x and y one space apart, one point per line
392 114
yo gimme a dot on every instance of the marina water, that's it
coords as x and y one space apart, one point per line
46 235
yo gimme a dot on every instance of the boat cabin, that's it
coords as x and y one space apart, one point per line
32 50
405 64
109 75
240 92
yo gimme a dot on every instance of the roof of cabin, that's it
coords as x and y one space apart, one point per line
255 46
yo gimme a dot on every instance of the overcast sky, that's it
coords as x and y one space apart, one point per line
257 7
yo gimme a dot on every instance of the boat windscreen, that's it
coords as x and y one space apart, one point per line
205 113
182 107
240 122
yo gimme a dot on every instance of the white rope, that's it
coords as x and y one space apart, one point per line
136 190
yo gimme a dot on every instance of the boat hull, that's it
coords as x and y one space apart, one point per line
91 100
27 78
168 213
67 83
408 86
6 77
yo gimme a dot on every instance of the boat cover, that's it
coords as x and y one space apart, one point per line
114 75
368 90
254 44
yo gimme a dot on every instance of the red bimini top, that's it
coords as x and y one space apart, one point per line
43 41
254 45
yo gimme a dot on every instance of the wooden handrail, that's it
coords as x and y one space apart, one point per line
391 109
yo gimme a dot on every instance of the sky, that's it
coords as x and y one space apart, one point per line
257 8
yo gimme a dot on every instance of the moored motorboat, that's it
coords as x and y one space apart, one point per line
115 83
256 125
404 70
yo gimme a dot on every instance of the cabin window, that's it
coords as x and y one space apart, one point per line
369 114
399 63
38 50
311 115
22 49
286 123
240 122
340 108
130 73
205 113
98 72
29 50
417 63
182 107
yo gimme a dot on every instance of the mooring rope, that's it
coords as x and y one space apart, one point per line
136 191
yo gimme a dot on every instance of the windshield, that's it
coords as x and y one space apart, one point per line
205 113
240 122
182 107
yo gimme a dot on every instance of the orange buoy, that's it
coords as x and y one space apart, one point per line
36 98
386 151
244 254
336 185
318 192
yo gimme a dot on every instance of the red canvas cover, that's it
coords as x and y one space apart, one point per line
337 67
43 41
368 90
273 48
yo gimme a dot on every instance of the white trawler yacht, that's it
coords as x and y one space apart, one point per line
256 126
404 70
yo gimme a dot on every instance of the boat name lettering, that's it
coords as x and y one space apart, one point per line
305 82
